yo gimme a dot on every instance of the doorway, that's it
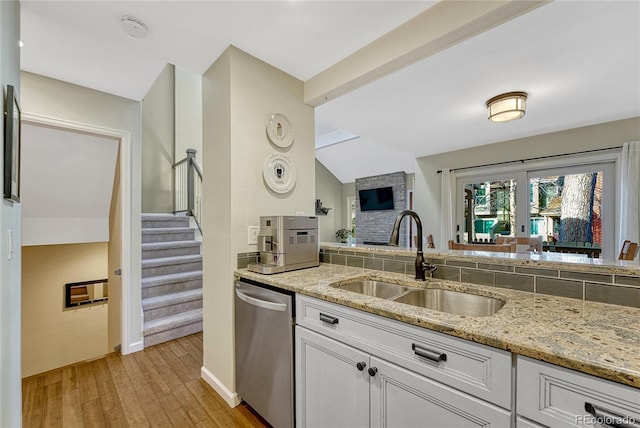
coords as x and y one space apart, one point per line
123 327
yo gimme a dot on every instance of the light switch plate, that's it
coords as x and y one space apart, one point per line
253 234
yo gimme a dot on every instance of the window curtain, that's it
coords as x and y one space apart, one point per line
446 207
629 221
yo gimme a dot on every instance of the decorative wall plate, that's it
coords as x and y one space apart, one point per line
279 130
279 173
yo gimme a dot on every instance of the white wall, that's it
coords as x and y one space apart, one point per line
240 93
329 191
53 337
10 258
158 136
53 98
427 182
57 207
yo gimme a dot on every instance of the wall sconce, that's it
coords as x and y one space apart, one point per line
506 107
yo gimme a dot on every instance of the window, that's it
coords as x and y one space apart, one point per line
571 205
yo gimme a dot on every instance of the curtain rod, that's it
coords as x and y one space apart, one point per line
532 159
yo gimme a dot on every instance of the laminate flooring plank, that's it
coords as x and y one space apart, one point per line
190 348
145 393
53 404
104 383
177 414
177 348
115 418
177 366
92 414
212 406
159 387
196 341
197 413
33 407
88 387
190 362
133 409
53 376
71 404
171 378
151 372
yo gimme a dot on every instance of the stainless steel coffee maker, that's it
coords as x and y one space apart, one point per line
287 243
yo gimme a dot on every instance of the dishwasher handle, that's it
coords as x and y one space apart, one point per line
264 304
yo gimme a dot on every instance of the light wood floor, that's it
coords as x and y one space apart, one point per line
159 387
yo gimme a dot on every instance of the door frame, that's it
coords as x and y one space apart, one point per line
131 337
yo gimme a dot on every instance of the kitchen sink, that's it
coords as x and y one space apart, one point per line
384 290
452 302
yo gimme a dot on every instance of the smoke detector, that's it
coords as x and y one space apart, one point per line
133 27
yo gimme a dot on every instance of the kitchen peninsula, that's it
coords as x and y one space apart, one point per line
591 337
557 353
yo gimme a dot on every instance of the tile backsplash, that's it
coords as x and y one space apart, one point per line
598 287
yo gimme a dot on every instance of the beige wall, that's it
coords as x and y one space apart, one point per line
240 93
329 191
51 336
427 183
56 99
188 111
158 136
10 383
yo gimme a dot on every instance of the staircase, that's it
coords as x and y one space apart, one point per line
171 278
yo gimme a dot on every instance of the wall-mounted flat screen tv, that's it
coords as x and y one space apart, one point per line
376 199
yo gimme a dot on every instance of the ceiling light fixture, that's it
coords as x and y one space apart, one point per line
506 107
20 43
133 27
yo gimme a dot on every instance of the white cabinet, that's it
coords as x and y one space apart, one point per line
330 390
349 374
526 423
402 398
558 397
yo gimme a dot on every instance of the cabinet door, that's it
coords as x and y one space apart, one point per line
401 398
330 390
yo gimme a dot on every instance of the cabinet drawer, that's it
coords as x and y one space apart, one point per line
476 369
557 397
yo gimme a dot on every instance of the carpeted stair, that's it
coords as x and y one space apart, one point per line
171 278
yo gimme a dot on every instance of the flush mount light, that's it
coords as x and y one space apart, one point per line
506 107
133 27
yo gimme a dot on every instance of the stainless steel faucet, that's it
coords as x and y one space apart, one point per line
421 265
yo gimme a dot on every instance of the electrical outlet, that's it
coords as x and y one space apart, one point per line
253 234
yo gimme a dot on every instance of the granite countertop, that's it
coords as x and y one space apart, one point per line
594 338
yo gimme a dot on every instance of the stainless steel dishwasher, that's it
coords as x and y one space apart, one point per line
264 352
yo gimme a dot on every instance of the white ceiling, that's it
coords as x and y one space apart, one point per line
81 41
578 60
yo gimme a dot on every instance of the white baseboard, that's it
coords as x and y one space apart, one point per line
231 398
133 347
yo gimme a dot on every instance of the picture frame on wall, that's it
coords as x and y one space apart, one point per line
12 128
